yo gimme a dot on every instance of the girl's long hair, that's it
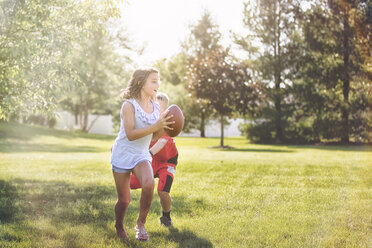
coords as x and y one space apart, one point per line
136 82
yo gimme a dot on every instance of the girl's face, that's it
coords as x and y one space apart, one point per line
150 88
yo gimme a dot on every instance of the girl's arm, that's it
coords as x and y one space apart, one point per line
158 146
136 133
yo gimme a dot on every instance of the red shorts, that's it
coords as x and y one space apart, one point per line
163 171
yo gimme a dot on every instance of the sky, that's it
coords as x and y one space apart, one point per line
161 25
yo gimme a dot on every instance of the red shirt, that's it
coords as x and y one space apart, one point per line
169 150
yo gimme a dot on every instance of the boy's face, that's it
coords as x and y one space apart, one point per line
162 104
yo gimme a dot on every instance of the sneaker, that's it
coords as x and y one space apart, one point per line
165 221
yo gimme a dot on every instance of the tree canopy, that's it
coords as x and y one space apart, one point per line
38 47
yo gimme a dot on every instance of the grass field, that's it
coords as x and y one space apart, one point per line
57 190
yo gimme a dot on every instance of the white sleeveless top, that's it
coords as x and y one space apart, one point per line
127 154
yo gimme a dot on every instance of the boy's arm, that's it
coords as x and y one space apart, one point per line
158 134
158 146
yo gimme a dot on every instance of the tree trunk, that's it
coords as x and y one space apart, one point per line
345 83
76 113
278 105
92 123
222 135
85 121
202 125
81 119
277 79
278 116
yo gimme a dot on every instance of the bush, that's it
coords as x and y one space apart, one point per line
300 133
295 132
259 132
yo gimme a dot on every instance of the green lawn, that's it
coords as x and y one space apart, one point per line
57 190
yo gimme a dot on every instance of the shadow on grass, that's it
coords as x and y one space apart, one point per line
182 205
63 202
345 148
293 148
57 202
13 147
234 149
184 238
8 196
24 202
255 150
62 205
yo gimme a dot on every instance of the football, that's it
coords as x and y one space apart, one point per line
178 118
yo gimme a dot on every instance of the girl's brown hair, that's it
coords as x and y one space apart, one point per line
136 82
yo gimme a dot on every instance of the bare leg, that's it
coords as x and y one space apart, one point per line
165 201
122 187
144 174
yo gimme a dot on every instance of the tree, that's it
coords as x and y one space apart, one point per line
361 16
204 37
270 25
347 45
174 83
335 76
224 83
101 71
35 37
319 67
36 45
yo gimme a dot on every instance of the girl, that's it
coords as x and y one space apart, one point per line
140 119
164 162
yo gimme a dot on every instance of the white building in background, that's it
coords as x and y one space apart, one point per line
104 125
213 129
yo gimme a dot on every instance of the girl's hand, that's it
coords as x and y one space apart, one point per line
163 121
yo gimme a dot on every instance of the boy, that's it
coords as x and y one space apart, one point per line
164 162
